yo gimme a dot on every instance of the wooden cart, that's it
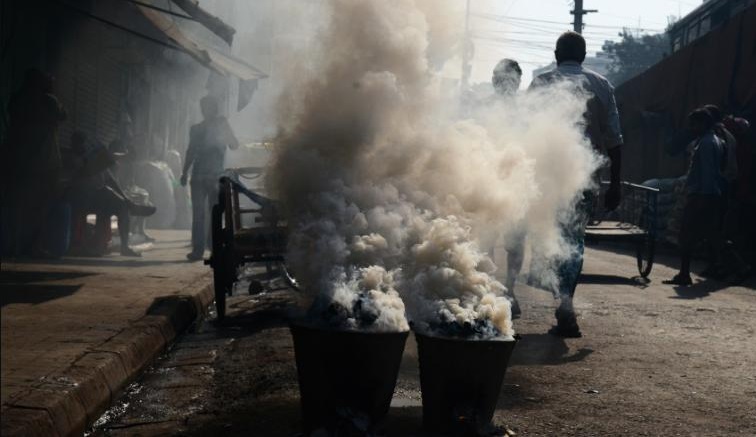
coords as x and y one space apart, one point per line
243 231
633 222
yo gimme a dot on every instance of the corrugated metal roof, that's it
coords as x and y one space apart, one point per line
223 63
210 21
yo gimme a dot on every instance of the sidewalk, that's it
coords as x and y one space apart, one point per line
75 331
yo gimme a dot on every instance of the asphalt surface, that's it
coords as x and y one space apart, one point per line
76 330
654 361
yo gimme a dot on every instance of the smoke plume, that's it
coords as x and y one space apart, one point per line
388 190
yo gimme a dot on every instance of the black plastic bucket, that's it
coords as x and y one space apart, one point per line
460 380
345 373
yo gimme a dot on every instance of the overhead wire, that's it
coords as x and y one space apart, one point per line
535 37
547 46
541 34
501 18
538 38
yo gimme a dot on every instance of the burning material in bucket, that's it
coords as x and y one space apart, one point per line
461 380
387 191
346 378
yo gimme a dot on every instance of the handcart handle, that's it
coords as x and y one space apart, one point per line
257 198
632 185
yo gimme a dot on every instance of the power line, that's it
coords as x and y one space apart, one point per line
519 61
541 56
543 45
626 17
537 38
508 18
500 18
466 53
538 33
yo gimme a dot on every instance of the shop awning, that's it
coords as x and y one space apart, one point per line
210 21
223 63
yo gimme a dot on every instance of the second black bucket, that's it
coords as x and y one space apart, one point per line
345 373
460 380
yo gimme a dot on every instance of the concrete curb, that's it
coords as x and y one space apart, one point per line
63 404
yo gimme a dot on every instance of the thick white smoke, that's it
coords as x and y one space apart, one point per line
386 187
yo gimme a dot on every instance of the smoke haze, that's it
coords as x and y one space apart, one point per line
388 190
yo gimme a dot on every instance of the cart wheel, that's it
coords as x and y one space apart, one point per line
644 254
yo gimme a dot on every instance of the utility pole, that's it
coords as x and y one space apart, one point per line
466 67
578 12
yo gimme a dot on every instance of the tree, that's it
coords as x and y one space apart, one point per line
634 54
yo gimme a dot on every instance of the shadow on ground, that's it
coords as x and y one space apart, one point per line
282 417
26 277
545 349
107 261
601 279
34 293
28 287
699 290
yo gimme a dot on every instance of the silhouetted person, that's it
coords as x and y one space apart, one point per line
506 79
739 223
729 170
208 141
728 261
704 188
602 127
33 160
100 193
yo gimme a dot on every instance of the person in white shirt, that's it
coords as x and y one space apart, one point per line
602 128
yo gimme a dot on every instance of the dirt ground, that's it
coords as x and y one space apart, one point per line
653 361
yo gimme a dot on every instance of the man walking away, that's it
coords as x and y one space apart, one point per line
208 141
602 127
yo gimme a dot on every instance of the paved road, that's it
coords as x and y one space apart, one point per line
75 329
654 361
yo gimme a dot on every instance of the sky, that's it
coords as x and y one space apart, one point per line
526 30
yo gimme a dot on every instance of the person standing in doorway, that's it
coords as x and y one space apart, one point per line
208 141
